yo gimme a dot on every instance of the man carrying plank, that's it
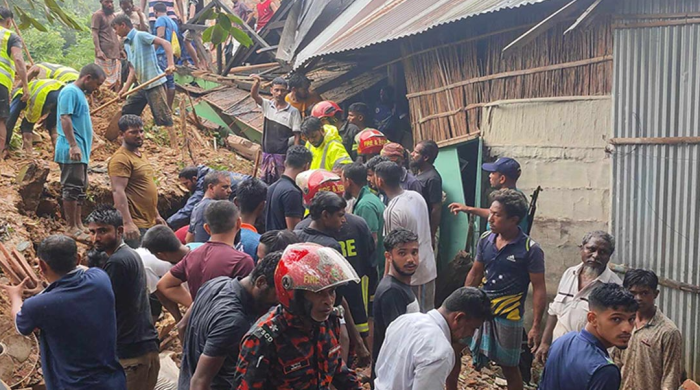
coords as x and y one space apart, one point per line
143 66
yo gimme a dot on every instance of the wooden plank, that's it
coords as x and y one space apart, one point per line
541 27
285 51
655 141
670 283
266 49
688 15
584 17
252 67
458 140
661 23
514 73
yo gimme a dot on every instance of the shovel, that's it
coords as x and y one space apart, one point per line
112 131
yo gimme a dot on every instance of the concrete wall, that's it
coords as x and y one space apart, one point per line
560 144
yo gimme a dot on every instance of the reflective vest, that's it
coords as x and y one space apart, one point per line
59 72
330 151
38 91
7 64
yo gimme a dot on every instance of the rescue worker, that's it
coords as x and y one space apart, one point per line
369 144
47 70
331 115
295 345
11 59
43 100
325 144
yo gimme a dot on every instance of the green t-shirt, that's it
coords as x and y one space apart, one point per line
371 209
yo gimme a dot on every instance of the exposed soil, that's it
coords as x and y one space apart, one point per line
24 230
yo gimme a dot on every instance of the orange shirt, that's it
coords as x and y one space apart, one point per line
304 105
249 227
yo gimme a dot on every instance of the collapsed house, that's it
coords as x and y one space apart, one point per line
597 99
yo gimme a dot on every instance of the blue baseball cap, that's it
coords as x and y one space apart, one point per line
504 165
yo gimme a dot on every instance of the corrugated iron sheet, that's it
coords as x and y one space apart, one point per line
369 22
656 213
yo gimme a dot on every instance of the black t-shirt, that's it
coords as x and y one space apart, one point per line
348 132
355 243
14 41
392 299
221 315
432 186
136 334
284 199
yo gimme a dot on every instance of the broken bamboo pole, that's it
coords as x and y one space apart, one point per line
256 164
130 92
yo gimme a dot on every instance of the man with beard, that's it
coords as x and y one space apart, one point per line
325 144
280 123
74 144
223 312
569 309
218 187
397 154
394 296
580 360
135 193
138 19
107 49
422 162
137 339
300 95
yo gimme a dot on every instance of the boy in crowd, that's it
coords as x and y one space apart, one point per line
654 357
580 360
250 200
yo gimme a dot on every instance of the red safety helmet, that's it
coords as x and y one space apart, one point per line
311 267
370 141
325 108
314 181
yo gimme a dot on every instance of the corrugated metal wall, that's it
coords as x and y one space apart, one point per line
656 212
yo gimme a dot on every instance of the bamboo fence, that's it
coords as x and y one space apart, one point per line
448 85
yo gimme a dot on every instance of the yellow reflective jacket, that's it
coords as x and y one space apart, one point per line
38 91
7 64
330 150
58 72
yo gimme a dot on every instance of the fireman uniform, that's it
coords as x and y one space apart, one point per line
330 151
282 352
43 99
64 74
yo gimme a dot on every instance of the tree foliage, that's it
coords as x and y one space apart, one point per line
33 13
224 27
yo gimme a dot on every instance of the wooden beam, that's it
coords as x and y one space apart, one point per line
276 24
541 27
458 140
584 17
660 23
655 141
265 49
252 67
670 283
514 73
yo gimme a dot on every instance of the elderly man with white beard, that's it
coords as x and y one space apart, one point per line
568 311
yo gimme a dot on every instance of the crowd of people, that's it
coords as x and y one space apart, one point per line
323 262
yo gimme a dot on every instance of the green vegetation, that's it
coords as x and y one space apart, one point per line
51 39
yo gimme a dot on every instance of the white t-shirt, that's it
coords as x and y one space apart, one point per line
416 354
155 268
409 211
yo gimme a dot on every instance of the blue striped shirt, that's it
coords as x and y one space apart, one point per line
141 53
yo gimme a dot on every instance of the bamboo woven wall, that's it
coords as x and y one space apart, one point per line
448 86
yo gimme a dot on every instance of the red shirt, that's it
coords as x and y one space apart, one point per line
264 13
282 352
210 261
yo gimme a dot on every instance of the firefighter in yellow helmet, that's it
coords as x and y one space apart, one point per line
43 100
11 61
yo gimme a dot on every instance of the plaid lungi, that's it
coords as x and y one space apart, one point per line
499 340
112 68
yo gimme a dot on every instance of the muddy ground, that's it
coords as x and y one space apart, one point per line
19 363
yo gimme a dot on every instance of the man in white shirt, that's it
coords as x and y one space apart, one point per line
569 309
417 353
407 209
